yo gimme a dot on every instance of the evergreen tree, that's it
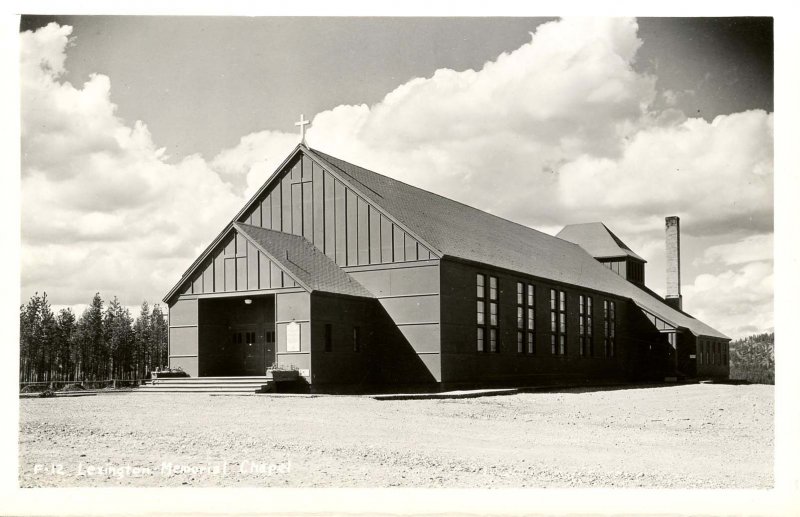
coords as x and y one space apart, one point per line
65 341
142 330
102 344
30 336
159 336
46 359
118 338
91 341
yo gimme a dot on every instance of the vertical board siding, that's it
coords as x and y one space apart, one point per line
286 204
237 265
219 272
263 272
308 209
352 228
208 277
297 208
341 217
330 219
386 240
230 274
252 267
308 201
363 232
399 245
374 236
266 212
276 210
241 274
318 207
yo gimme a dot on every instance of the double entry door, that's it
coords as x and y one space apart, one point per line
252 348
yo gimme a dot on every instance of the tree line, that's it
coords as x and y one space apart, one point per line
103 343
753 358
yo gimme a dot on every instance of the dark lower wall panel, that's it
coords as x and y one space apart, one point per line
342 364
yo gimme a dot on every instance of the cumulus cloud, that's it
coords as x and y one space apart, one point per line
718 173
101 208
560 130
739 301
753 248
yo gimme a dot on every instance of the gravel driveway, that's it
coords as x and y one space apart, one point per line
694 436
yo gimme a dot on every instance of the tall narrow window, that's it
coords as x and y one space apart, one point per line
520 317
609 327
553 321
585 322
328 337
562 323
589 326
487 325
558 322
525 319
494 317
481 314
581 323
531 320
356 339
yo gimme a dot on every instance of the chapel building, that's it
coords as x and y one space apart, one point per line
366 283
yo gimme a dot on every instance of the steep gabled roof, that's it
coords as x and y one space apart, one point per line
461 231
597 240
309 266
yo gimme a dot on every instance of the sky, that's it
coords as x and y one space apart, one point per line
143 136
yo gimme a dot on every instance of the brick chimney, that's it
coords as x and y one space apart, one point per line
674 298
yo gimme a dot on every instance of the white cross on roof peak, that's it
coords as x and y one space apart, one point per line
302 123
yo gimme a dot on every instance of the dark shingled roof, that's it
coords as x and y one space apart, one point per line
307 264
457 230
597 240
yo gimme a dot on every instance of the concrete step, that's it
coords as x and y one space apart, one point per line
249 384
210 383
179 390
211 379
205 387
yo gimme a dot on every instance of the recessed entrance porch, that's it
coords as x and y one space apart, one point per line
236 336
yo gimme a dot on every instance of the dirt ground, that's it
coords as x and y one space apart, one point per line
694 436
